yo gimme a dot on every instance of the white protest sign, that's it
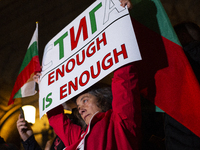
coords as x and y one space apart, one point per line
98 41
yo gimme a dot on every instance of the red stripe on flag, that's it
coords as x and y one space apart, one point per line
168 78
22 78
178 91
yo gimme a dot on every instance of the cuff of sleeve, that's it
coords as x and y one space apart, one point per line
55 111
29 141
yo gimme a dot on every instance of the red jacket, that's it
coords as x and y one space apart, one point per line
115 129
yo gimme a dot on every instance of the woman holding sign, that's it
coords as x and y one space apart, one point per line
116 128
112 115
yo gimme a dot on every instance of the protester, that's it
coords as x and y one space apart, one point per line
178 136
116 128
28 139
189 36
113 117
26 134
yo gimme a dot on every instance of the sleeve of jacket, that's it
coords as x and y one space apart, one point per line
126 97
63 127
31 144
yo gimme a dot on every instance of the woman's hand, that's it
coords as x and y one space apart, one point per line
126 2
24 128
36 77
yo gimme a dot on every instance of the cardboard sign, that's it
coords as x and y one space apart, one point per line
97 42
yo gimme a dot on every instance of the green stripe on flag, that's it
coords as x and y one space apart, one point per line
152 14
18 94
165 75
31 52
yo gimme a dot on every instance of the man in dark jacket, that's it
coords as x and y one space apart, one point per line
178 136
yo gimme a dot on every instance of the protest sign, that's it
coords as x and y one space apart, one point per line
98 41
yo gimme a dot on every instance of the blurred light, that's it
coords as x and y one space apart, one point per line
67 111
29 113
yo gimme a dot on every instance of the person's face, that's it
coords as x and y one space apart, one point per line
87 106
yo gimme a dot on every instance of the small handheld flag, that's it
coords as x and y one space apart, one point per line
25 85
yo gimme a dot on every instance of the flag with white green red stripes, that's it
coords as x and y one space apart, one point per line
165 74
25 85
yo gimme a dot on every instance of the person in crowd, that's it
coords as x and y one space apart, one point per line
178 136
116 128
26 134
28 139
112 114
189 36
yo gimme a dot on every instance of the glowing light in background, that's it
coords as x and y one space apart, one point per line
29 113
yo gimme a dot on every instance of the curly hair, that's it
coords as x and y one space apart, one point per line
75 117
103 93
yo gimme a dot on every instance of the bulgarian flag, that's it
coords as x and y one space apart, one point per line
165 75
25 85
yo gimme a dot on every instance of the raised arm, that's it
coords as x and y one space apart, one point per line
126 97
26 134
63 127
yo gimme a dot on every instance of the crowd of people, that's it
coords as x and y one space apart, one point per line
109 118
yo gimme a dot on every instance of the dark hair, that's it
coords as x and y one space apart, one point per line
187 32
75 117
103 93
